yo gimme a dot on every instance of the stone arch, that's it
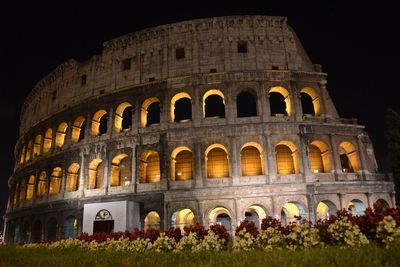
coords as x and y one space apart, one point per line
78 129
287 158
123 117
42 184
99 122
73 177
382 203
121 170
48 138
181 164
255 213
319 157
279 100
246 104
310 101
217 162
95 174
37 147
252 159
356 207
152 221
51 229
348 157
182 218
149 167
30 188
291 211
222 216
60 134
325 209
214 104
55 181
70 227
150 111
29 151
181 107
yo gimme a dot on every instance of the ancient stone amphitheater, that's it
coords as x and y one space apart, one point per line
211 120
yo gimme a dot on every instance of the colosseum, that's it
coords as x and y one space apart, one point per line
205 121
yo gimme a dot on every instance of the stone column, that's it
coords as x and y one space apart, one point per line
234 162
271 158
263 103
82 172
336 165
198 166
361 155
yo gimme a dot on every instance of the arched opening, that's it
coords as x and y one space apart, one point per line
182 218
319 157
55 181
37 146
29 188
150 112
48 137
121 170
37 231
255 213
149 167
25 233
103 222
181 164
279 101
70 227
246 105
22 191
28 151
78 129
325 209
72 177
252 160
123 117
382 203
291 212
356 207
348 157
42 182
95 174
99 123
181 107
51 229
221 216
286 158
16 231
214 104
310 102
152 221
60 134
217 163
22 156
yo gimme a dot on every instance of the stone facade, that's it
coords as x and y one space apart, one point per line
221 57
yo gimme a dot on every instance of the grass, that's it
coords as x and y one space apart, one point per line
372 255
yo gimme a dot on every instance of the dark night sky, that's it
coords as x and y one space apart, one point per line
357 46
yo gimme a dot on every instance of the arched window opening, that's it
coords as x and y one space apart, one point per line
214 107
221 216
217 162
149 167
356 207
181 107
246 105
292 212
48 137
70 227
286 158
182 218
123 117
22 156
55 181
25 233
95 174
37 231
152 221
37 146
51 229
29 188
348 157
22 191
256 214
325 209
121 170
181 164
72 177
42 184
78 129
28 151
99 123
382 203
150 112
319 157
279 101
60 134
252 161
310 101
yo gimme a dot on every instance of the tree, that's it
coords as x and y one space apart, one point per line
392 135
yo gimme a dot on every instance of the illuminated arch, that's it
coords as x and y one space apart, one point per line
210 93
152 221
255 213
42 184
22 156
48 138
252 159
181 164
356 207
60 134
29 188
325 209
221 216
285 94
217 163
55 181
78 129
177 97
291 211
122 121
72 177
149 167
29 151
312 93
286 158
348 157
121 170
182 218
37 146
144 110
99 122
95 174
319 157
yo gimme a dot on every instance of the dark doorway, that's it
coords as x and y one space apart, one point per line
82 132
183 110
277 104
246 105
307 104
214 106
103 226
103 124
127 118
153 113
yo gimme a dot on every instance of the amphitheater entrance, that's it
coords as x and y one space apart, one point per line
221 216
